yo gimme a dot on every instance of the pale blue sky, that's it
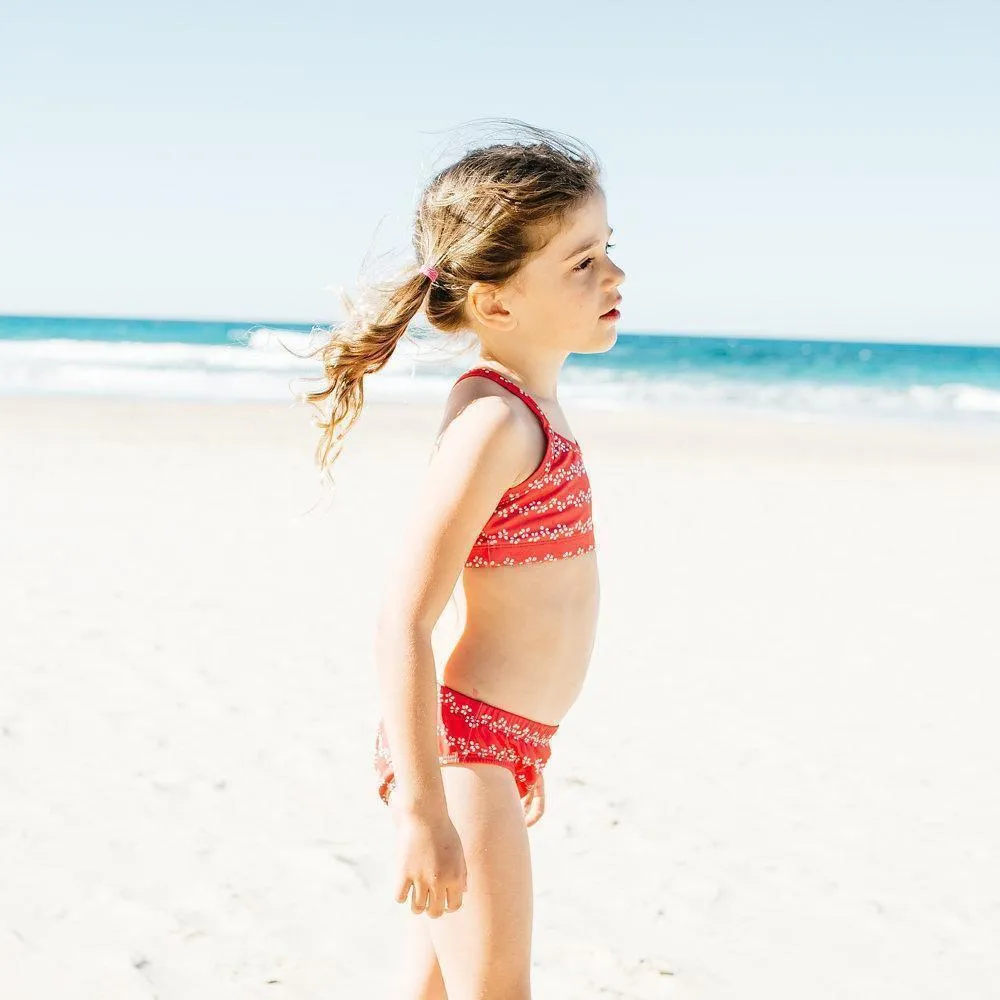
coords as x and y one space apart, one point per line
792 169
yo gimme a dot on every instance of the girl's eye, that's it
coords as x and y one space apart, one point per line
584 264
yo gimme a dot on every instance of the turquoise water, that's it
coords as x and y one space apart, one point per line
243 360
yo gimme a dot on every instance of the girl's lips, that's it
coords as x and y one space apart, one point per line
612 314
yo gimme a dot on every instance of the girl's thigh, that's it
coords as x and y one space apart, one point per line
484 948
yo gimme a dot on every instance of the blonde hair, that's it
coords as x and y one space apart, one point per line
478 219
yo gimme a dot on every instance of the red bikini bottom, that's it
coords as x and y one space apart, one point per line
472 732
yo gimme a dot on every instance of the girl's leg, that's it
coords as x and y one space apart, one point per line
484 948
420 978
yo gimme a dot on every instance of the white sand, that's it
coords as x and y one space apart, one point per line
780 782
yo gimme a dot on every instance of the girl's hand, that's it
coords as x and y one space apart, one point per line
432 864
534 802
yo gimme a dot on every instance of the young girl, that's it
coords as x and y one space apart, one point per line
511 244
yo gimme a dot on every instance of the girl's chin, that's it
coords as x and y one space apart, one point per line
607 334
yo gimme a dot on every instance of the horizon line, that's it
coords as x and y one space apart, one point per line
706 334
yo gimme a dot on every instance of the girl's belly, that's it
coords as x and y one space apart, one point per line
521 637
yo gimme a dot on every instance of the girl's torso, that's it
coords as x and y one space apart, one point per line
520 631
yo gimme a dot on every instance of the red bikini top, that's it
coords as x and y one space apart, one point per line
545 517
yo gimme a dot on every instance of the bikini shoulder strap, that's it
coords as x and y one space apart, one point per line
507 383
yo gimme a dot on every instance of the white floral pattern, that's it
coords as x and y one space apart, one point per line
521 529
471 731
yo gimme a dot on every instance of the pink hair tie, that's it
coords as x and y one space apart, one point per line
430 272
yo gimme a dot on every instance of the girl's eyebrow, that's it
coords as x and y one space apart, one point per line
586 246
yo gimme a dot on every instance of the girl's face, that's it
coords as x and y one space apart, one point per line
566 296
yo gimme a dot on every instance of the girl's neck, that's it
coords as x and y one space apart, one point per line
538 377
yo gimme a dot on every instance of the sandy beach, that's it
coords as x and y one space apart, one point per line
779 782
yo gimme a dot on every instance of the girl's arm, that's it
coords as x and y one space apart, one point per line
481 452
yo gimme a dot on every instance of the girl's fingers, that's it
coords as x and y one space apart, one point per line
424 899
403 891
418 902
537 807
435 903
526 801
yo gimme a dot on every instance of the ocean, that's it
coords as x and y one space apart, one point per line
801 379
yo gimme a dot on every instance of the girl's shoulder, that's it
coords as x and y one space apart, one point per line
482 419
482 378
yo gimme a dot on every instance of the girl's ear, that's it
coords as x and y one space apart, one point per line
485 304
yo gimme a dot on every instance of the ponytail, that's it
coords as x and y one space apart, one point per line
362 346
